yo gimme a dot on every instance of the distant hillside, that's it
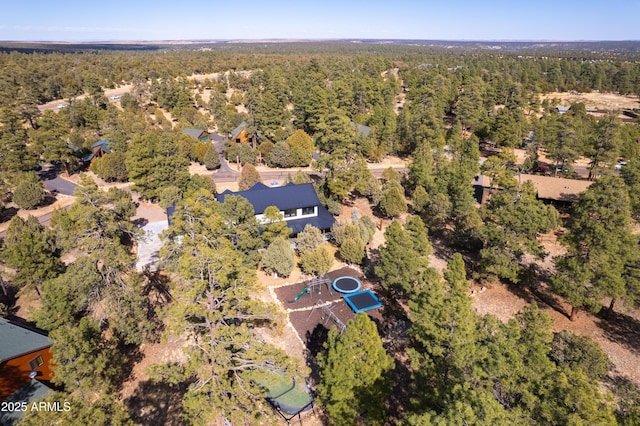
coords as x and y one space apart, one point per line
508 46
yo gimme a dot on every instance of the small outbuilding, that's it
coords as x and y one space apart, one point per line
201 135
241 135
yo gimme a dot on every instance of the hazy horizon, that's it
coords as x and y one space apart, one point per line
198 20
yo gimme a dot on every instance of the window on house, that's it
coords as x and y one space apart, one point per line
308 210
290 213
36 362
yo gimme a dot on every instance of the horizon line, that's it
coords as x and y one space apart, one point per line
335 39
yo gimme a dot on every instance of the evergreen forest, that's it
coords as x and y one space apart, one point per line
404 131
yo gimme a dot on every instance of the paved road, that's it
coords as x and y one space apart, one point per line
44 219
227 173
54 183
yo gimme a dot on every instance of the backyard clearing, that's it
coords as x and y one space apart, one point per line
596 100
306 322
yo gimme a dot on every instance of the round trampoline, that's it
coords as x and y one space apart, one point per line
346 284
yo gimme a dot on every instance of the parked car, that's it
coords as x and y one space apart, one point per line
541 169
562 170
115 97
620 164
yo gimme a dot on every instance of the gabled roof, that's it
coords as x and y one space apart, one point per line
258 186
193 132
235 132
18 340
290 196
101 145
360 128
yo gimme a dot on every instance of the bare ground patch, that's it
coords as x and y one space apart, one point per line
596 100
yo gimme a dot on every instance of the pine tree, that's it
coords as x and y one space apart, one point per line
353 393
30 249
211 306
600 246
211 158
513 220
444 323
278 257
400 263
393 203
29 192
249 176
273 225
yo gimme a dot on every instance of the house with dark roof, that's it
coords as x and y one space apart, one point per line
360 129
201 135
298 204
24 355
98 149
241 135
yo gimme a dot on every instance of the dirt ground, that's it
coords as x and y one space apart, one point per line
597 100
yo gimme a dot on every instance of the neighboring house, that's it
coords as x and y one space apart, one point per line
299 204
360 129
201 135
25 396
549 188
241 135
24 355
98 149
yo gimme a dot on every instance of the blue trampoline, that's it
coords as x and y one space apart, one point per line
363 301
346 284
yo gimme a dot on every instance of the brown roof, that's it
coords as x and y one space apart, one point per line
549 187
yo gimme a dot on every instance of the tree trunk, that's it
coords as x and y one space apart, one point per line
574 313
611 306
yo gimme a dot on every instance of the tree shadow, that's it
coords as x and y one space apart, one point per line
8 298
620 328
8 214
157 403
49 174
48 200
134 356
12 378
315 340
140 222
540 294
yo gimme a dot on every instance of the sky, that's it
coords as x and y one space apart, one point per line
136 20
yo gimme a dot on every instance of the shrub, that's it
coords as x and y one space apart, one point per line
317 261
